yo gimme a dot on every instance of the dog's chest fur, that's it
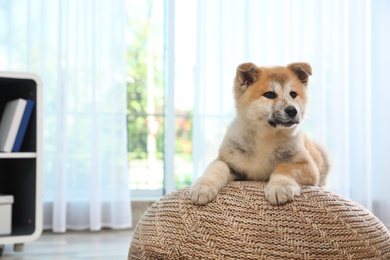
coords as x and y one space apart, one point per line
253 155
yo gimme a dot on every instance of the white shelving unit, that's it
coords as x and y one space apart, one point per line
21 173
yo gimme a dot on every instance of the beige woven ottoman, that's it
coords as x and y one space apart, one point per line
241 224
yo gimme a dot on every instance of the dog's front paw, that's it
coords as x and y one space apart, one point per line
203 193
280 190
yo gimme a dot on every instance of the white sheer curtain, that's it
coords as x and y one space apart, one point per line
347 44
78 49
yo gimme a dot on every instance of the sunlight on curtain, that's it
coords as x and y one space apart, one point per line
78 49
346 42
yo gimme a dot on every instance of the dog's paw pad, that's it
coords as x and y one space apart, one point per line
278 194
203 193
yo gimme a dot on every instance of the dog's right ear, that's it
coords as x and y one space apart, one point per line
246 75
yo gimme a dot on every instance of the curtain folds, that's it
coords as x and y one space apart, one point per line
346 42
78 49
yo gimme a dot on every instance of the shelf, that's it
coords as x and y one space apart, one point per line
21 172
18 155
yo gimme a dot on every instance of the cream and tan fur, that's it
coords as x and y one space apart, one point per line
264 141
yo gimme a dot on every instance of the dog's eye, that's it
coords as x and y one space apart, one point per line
293 94
270 95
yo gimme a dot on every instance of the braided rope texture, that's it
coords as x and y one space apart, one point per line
241 224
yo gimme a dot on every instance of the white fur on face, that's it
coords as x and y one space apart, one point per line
258 110
288 87
284 99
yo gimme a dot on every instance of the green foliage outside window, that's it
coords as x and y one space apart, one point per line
144 55
145 97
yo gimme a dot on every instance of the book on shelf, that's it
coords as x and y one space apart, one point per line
14 123
23 125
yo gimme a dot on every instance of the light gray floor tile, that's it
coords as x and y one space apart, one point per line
106 244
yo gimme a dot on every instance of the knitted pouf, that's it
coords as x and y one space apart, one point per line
241 224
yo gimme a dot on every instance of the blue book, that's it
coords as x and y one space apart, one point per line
23 125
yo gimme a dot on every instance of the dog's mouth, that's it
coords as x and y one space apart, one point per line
288 124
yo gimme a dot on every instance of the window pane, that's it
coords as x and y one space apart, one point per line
145 85
145 93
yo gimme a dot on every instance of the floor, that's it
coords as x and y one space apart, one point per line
106 244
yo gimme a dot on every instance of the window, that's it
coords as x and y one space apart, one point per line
147 94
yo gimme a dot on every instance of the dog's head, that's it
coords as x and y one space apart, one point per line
275 96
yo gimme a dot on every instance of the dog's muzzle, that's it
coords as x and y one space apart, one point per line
287 118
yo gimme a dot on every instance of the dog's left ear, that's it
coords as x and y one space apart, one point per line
301 70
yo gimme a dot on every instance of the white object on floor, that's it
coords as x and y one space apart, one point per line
6 202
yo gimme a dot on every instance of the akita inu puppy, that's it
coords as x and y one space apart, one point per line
264 141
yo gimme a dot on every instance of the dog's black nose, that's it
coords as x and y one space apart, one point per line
291 111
